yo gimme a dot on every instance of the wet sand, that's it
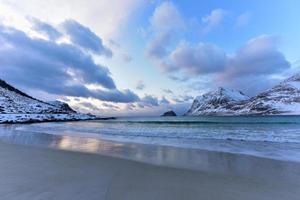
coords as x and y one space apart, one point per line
34 173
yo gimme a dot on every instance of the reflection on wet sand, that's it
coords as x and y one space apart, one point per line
193 159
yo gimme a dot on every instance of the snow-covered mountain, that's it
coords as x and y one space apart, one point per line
13 100
16 106
284 98
217 102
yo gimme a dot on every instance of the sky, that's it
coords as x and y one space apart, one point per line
138 57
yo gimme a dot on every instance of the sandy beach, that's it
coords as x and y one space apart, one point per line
36 173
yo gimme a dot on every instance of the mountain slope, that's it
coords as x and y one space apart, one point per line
16 106
13 100
217 102
284 98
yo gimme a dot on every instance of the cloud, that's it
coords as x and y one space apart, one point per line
183 98
243 19
126 57
61 69
148 100
152 101
165 22
164 101
198 59
99 15
168 91
45 28
140 85
258 57
110 106
85 38
212 20
89 106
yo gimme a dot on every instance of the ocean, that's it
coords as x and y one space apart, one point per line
276 137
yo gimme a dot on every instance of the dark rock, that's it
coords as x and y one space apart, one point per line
169 113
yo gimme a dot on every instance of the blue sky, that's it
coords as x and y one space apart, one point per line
144 57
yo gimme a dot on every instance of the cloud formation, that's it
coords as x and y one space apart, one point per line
148 100
258 57
45 28
140 85
85 38
164 23
56 68
99 15
196 59
243 19
212 20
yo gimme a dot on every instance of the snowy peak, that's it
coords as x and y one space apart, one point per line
216 102
283 98
293 81
224 94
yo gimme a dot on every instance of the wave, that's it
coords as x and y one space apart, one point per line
199 122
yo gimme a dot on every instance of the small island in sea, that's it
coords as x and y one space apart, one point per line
169 113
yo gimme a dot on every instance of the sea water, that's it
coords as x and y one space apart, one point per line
275 137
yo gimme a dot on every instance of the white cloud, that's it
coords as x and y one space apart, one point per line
197 59
243 19
104 17
212 20
165 23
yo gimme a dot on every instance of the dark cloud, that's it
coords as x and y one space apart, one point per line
152 101
45 28
85 38
61 69
148 100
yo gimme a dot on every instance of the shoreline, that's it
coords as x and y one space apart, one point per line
23 118
39 173
286 151
214 161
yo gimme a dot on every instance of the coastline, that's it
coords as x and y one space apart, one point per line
29 172
11 118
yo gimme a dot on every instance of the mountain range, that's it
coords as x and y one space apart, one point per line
282 99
